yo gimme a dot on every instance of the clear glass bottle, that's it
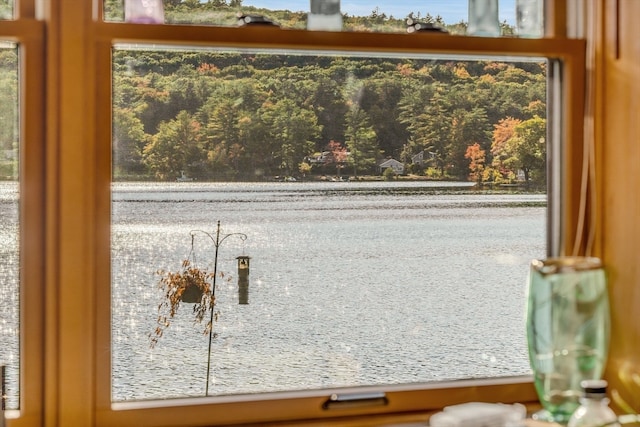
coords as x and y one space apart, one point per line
530 18
594 408
483 18
324 15
144 11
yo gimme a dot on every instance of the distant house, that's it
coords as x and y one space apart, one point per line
320 158
325 158
422 157
398 167
183 177
418 159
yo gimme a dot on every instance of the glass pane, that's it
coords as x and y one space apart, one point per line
389 205
6 9
358 15
9 236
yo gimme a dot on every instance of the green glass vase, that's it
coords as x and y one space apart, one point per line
567 330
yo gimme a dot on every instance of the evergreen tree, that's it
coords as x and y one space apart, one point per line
129 141
364 153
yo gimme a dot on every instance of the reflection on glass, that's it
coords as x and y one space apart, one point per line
387 242
9 238
6 9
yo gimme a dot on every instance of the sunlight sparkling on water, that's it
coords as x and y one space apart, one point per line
350 285
9 294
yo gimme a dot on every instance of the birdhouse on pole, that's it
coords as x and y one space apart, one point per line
243 279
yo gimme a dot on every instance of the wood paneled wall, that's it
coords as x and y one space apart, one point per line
615 42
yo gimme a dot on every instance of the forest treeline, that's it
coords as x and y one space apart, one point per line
251 116
212 115
8 113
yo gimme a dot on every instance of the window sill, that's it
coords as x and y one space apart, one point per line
413 419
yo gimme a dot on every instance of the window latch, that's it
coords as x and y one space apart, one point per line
352 400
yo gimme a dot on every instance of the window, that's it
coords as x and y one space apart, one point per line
9 226
356 268
6 9
22 204
384 16
74 217
141 244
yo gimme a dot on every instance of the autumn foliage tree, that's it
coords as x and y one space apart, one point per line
339 155
476 157
503 132
527 149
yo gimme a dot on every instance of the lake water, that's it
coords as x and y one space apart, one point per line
350 284
9 295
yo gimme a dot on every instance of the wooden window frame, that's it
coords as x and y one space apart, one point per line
66 200
308 405
28 34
